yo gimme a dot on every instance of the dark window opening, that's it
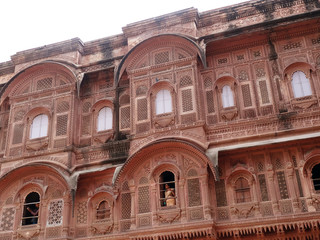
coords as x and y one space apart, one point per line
167 189
242 190
103 211
316 177
31 209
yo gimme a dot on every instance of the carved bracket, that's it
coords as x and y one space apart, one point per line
169 216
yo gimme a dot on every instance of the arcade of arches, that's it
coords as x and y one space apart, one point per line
185 126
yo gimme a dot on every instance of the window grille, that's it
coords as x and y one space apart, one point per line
242 190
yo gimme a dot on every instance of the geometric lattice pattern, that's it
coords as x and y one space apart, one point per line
53 232
194 195
187 104
55 213
82 213
210 101
142 109
126 205
86 107
263 187
44 84
7 219
282 185
185 81
299 183
278 164
63 107
208 83
246 95
264 92
260 166
143 199
62 125
161 57
17 133
221 195
86 125
125 117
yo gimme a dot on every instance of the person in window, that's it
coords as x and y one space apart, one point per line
34 212
170 196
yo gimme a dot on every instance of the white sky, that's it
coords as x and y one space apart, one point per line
28 24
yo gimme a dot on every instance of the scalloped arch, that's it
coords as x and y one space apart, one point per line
38 69
164 40
149 150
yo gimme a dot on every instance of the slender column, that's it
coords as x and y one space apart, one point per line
291 182
205 196
133 206
271 185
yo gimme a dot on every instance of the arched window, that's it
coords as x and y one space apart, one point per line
227 97
31 209
163 102
242 190
316 177
104 119
300 85
103 211
167 189
39 126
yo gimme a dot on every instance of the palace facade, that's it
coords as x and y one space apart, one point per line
191 125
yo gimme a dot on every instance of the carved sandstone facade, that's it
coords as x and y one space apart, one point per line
186 126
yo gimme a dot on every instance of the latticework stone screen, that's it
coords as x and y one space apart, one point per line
221 193
194 194
55 213
62 125
7 219
144 199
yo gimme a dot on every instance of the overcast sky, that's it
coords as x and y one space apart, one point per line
28 24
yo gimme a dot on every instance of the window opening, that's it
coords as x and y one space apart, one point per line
103 211
167 189
163 102
227 97
242 190
31 209
300 85
316 177
39 126
104 119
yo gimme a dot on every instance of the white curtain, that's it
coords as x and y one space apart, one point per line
39 126
104 119
227 97
300 85
163 102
